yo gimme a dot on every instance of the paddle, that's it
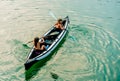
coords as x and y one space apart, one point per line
52 14
27 43
32 41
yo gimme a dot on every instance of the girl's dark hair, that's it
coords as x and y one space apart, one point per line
59 20
36 40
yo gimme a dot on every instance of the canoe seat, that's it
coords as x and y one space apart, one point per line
51 38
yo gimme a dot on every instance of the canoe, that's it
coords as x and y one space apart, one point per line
52 38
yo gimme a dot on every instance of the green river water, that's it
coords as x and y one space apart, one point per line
91 51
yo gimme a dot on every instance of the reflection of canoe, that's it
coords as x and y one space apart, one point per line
52 38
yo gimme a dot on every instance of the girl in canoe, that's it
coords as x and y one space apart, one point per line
59 25
39 45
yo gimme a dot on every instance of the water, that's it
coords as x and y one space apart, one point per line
91 51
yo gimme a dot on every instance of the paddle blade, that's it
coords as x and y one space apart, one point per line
26 46
52 14
54 76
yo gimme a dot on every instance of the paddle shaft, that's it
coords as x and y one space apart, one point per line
29 42
32 41
53 15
